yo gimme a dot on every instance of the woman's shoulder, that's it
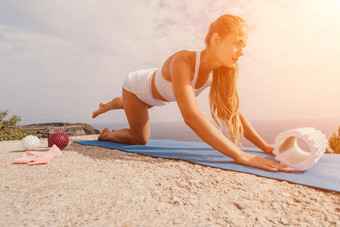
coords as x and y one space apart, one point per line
180 57
183 55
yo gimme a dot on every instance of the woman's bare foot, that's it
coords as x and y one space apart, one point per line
116 103
100 110
103 135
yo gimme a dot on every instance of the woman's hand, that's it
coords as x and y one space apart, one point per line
262 163
268 149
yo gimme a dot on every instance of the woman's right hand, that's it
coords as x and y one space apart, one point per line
261 163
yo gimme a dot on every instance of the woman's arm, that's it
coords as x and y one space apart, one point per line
251 134
181 81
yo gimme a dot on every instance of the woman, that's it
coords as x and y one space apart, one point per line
182 77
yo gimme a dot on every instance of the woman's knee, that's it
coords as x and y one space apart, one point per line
141 140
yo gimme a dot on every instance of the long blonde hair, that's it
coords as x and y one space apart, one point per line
224 97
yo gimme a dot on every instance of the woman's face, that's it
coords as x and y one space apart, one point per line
230 49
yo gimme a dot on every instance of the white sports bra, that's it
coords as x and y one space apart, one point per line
164 87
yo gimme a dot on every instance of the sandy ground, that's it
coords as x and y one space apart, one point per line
96 186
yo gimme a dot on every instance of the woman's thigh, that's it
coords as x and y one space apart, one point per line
137 115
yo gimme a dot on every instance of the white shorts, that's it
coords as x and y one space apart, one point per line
139 83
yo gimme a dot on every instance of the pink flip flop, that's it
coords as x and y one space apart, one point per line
53 151
41 160
38 157
25 158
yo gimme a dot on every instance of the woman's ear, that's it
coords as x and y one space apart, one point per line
215 39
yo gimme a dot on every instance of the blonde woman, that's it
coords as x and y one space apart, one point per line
183 76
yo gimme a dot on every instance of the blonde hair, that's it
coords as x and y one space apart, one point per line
224 97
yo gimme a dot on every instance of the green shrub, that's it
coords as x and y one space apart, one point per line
9 129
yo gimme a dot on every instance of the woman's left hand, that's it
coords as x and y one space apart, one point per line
268 149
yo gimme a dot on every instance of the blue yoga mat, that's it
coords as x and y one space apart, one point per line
325 174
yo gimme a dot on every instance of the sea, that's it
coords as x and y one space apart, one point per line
267 129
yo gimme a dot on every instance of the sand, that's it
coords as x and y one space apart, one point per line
101 187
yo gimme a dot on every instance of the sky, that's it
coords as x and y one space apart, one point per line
60 59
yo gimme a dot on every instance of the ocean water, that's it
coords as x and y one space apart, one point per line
267 129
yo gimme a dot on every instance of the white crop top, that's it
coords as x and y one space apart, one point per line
164 87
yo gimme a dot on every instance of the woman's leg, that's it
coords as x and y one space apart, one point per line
116 103
138 117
